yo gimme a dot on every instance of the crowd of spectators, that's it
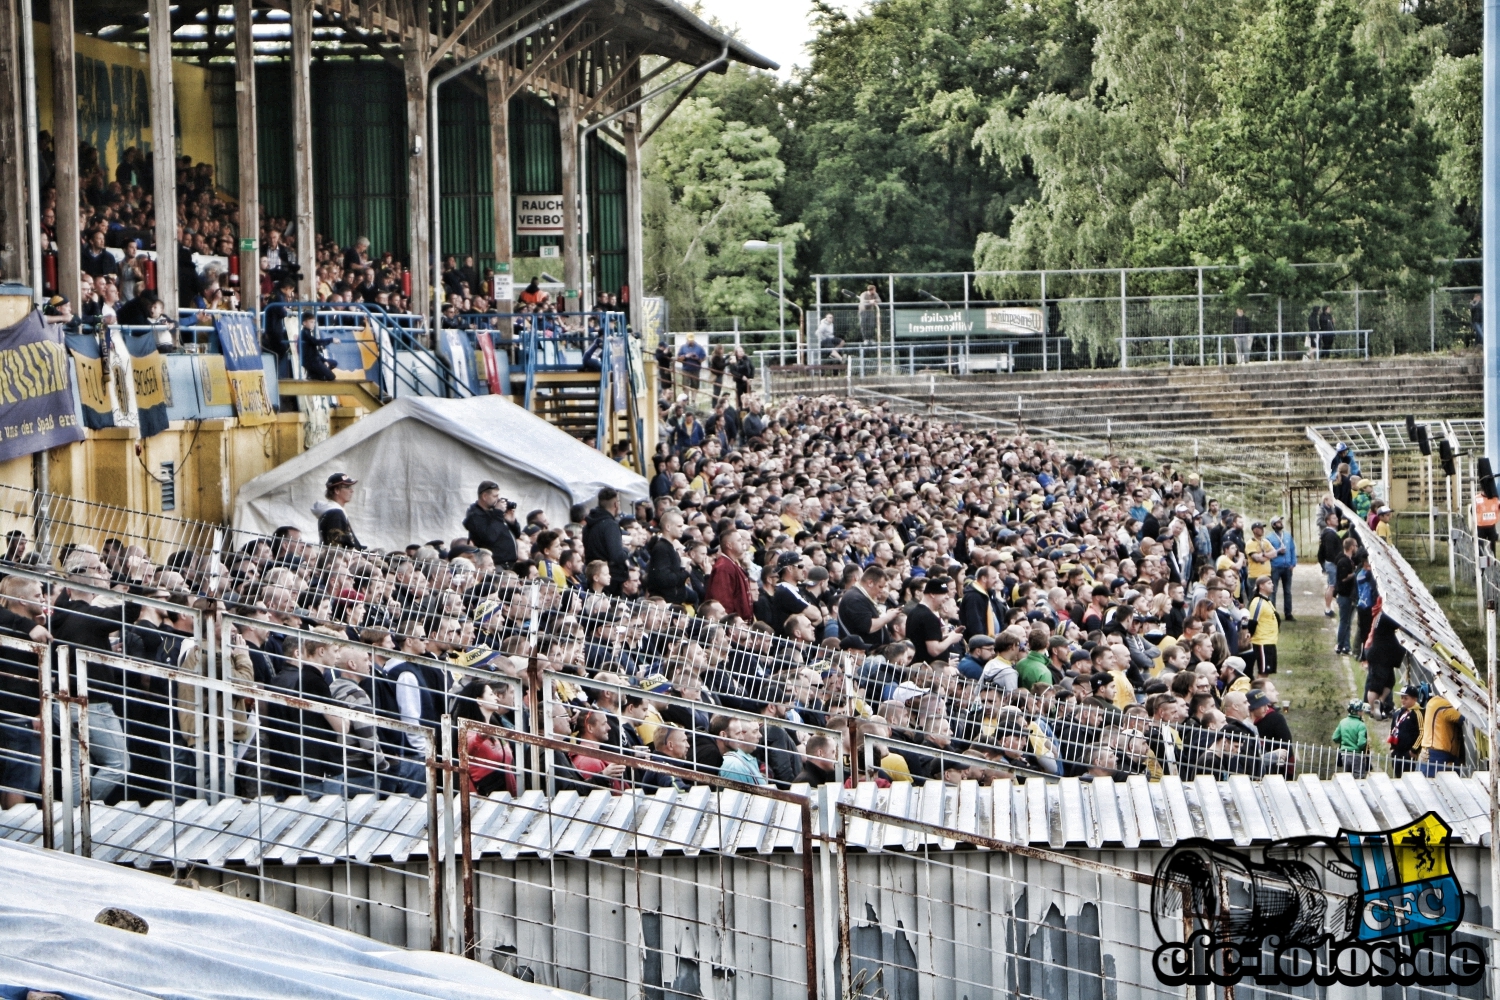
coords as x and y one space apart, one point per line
807 588
117 237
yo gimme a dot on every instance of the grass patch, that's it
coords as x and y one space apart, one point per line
1311 680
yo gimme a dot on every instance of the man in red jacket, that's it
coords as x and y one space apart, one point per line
728 583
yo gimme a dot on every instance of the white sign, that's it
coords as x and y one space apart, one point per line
502 287
539 215
1013 320
552 252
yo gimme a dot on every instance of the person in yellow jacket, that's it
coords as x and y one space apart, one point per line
1265 628
1442 736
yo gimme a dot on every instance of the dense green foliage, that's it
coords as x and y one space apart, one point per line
999 134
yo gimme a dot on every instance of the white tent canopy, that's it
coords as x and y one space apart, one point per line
418 462
203 944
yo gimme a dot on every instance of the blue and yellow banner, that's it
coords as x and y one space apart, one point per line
240 346
122 380
36 394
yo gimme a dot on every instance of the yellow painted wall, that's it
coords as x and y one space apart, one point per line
213 461
129 120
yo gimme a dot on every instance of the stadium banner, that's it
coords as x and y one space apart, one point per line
36 394
653 320
122 380
939 321
240 347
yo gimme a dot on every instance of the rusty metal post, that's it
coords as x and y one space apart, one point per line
466 818
49 803
809 902
85 784
65 746
453 924
539 726
846 956
434 862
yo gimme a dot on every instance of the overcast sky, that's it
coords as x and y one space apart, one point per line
777 29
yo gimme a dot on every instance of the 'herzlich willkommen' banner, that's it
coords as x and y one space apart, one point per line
36 394
247 377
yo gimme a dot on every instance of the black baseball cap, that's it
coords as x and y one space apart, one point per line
340 479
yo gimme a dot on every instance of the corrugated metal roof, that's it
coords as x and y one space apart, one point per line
1065 814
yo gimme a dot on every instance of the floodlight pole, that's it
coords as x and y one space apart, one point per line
1494 748
1491 227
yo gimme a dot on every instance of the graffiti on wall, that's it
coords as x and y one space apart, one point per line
114 109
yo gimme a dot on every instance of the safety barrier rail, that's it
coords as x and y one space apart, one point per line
393 350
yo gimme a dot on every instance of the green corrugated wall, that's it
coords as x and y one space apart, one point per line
273 132
607 214
359 164
535 159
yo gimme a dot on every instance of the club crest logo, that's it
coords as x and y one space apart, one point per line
1359 909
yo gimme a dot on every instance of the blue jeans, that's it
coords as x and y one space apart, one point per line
1281 576
1437 760
20 756
404 777
1346 620
106 750
314 787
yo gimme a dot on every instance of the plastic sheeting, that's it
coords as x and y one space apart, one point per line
418 462
202 944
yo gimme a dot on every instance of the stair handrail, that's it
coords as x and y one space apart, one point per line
429 358
398 337
529 346
606 365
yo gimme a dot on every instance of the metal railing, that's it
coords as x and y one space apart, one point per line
1099 317
405 362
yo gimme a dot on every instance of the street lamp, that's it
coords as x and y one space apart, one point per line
801 326
758 245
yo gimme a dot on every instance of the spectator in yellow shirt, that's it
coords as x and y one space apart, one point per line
1265 628
1258 554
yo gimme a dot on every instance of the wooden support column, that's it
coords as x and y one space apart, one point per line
498 95
635 261
15 258
302 148
572 253
163 155
65 149
244 100
419 181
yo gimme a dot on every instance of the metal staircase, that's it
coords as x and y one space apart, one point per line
586 384
380 356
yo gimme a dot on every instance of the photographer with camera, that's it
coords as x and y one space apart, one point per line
491 524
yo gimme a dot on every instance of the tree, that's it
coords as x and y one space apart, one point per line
1451 101
883 169
1113 167
706 189
1319 156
